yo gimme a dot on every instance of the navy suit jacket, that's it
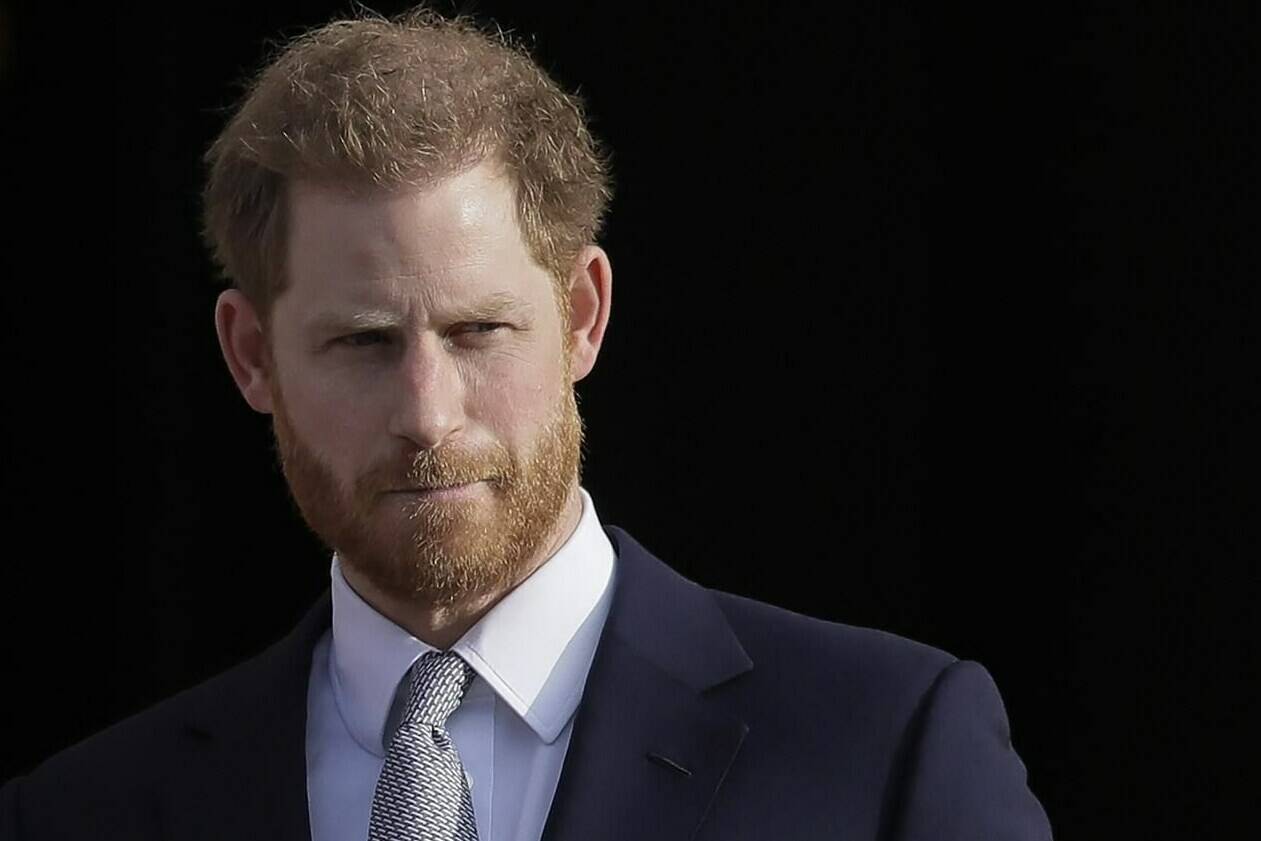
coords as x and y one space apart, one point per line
705 716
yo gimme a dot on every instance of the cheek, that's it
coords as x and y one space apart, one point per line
336 426
515 399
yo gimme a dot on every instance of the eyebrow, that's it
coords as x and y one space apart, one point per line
495 306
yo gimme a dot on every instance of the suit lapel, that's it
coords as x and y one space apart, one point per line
245 775
649 749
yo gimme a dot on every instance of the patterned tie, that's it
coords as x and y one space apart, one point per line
422 794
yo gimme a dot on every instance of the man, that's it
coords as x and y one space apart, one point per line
408 211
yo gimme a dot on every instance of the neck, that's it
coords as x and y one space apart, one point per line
442 626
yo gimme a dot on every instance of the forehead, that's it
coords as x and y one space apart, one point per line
447 241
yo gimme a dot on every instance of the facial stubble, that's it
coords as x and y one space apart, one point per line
440 553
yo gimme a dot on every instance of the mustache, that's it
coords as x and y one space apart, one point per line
437 469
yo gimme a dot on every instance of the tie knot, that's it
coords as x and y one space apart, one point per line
436 687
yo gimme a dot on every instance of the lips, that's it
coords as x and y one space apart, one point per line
427 488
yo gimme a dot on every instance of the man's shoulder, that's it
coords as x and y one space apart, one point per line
119 773
767 627
154 732
832 659
789 652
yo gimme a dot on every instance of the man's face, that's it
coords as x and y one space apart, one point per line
419 345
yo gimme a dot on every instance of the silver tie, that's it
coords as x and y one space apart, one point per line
422 793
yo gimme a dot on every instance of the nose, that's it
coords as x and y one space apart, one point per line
429 407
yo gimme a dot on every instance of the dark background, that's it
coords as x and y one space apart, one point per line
934 322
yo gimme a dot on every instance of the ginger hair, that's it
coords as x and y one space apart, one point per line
394 103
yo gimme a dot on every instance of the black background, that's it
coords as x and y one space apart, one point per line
930 321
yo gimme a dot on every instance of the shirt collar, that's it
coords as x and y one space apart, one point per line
533 648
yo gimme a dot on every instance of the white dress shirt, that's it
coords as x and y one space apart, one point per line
531 653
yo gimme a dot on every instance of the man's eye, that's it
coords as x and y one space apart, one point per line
483 327
365 339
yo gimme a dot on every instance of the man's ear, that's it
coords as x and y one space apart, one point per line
590 301
244 345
